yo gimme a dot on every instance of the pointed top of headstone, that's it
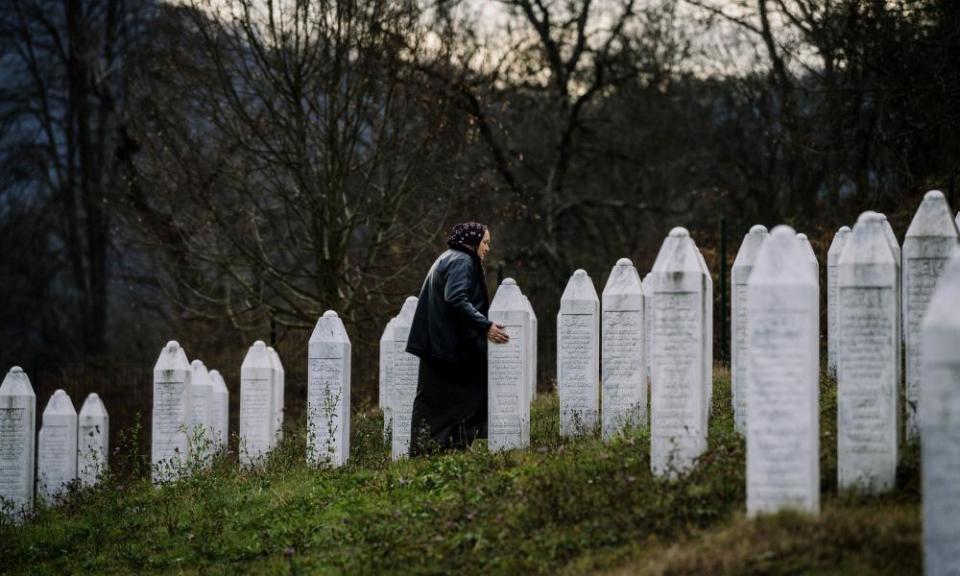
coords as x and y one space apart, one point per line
329 328
868 243
16 383
957 220
811 256
172 357
839 241
891 237
275 359
218 383
508 297
623 279
257 357
408 308
93 407
781 260
201 377
942 312
59 405
679 232
579 287
932 218
750 246
678 253
758 229
509 282
624 262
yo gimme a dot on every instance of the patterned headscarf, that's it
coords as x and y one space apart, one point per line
466 235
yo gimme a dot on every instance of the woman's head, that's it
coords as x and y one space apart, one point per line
471 235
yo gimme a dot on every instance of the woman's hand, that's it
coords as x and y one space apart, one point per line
497 334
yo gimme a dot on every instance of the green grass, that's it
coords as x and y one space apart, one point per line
573 506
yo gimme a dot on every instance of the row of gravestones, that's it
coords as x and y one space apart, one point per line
68 448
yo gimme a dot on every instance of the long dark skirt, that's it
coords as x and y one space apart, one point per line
450 409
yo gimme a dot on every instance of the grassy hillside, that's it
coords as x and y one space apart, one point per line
563 506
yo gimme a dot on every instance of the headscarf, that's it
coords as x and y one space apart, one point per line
466 235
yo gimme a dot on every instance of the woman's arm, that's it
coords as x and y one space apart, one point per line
459 279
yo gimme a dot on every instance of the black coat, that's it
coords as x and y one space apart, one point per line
451 318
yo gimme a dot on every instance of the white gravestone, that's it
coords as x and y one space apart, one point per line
385 395
623 389
647 284
678 397
532 348
279 383
833 259
93 441
783 456
578 355
57 447
508 372
707 339
328 393
201 400
866 370
172 380
940 425
810 257
219 411
406 371
18 417
739 275
927 248
957 220
257 398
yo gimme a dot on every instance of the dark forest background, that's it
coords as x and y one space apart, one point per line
220 172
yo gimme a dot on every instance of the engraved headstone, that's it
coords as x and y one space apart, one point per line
57 447
532 348
578 355
783 457
940 425
866 370
833 259
257 397
385 393
279 384
624 389
508 371
219 411
201 400
18 417
93 437
172 380
739 275
406 370
927 247
707 339
328 393
678 397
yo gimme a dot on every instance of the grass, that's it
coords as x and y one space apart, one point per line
573 506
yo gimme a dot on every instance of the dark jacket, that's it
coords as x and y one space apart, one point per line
451 318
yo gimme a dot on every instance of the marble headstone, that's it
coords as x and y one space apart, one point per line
940 425
647 284
257 398
508 376
707 339
93 440
201 400
385 392
833 259
172 381
219 411
406 369
328 393
739 275
783 456
18 417
678 397
578 355
57 447
532 348
279 384
867 388
927 247
623 389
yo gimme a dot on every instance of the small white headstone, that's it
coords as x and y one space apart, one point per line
578 355
18 417
940 425
219 411
647 326
678 398
385 395
783 456
406 371
833 258
279 383
201 400
172 381
257 413
508 372
927 247
866 371
624 389
328 393
93 440
532 348
739 275
57 447
707 339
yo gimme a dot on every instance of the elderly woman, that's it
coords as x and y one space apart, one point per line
449 333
